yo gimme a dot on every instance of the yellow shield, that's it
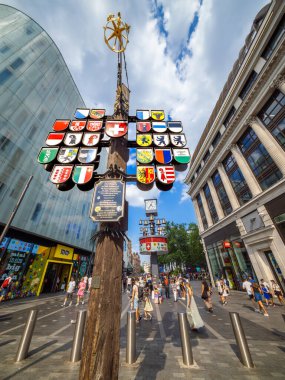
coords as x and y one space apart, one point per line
144 139
157 115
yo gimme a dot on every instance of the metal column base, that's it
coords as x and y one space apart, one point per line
25 342
154 264
185 340
131 338
75 355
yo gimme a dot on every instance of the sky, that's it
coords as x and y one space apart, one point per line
179 55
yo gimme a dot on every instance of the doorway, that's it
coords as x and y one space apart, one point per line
56 276
276 271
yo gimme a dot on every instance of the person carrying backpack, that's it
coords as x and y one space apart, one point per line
6 286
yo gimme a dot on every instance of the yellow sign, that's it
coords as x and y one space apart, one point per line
63 252
157 115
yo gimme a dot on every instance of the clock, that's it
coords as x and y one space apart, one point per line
151 206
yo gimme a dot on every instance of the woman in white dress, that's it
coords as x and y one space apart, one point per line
193 315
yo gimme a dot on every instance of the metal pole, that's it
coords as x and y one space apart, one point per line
75 355
241 340
25 342
185 339
131 338
15 210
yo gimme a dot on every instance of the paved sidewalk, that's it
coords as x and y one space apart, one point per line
158 344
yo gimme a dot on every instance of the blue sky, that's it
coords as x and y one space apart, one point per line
179 56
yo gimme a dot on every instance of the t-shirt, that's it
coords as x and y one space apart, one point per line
129 281
166 281
71 286
85 279
247 286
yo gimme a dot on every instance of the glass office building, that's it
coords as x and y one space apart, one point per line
36 88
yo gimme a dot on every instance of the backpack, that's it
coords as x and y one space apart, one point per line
6 282
140 293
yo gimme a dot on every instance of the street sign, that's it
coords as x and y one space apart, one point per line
153 244
108 201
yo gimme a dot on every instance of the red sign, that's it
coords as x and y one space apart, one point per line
155 244
116 128
227 244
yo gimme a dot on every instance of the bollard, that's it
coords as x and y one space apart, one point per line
185 339
131 338
75 355
25 342
241 340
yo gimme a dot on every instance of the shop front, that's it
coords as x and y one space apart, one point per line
228 256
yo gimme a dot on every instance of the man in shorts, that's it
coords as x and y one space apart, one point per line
70 291
247 285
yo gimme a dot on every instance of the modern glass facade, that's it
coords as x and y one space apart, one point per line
35 89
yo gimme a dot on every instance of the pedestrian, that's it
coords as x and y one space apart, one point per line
258 298
85 279
219 284
246 285
57 284
89 284
266 293
124 284
129 282
182 289
70 291
81 290
135 299
192 311
277 292
206 295
156 294
166 287
6 286
226 292
148 308
174 290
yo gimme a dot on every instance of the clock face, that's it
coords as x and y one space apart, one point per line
150 205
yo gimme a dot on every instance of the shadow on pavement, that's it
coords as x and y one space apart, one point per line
40 348
7 342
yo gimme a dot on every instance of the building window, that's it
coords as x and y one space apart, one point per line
221 192
206 157
248 84
17 63
36 212
4 48
261 163
229 116
273 106
236 177
278 131
5 75
198 169
276 37
217 138
210 203
202 211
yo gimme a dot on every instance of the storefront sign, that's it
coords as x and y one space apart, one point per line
63 252
15 264
108 201
227 244
154 244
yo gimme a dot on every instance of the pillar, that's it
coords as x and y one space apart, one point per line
228 187
197 211
216 200
206 208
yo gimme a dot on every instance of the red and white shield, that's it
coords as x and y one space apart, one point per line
61 173
143 126
94 126
165 174
116 128
77 125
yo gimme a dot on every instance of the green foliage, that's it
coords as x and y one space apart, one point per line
184 246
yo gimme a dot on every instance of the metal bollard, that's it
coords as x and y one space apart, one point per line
75 355
25 342
241 340
185 339
131 337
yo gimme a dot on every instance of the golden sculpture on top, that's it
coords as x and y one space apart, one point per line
116 33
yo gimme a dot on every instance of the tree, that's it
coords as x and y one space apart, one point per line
184 246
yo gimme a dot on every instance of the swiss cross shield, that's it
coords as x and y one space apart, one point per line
182 156
175 126
159 126
97 114
144 156
178 140
163 156
47 155
82 173
116 128
91 139
157 115
54 139
144 139
67 155
94 126
165 174
60 125
145 174
87 155
143 126
61 173
77 125
161 140
72 139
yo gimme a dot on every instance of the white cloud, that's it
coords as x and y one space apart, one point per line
184 196
136 197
